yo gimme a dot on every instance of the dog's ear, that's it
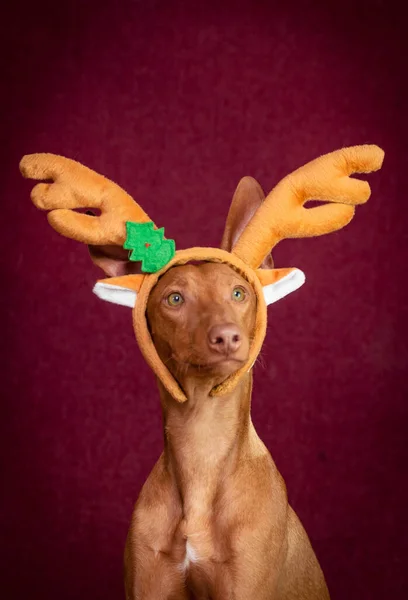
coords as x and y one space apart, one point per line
114 261
247 198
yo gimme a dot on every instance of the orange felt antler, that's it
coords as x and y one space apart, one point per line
282 215
76 186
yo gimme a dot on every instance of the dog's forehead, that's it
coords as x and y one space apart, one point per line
210 273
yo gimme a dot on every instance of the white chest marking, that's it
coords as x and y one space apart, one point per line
190 557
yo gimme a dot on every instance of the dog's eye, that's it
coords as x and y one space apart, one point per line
175 299
238 294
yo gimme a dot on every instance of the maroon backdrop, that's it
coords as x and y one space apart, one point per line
176 102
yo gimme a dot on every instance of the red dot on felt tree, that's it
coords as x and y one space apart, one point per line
147 245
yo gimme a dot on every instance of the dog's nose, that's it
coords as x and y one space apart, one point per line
225 339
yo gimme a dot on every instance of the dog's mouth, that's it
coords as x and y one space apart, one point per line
230 363
226 361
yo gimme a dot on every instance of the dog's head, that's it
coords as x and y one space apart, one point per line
202 320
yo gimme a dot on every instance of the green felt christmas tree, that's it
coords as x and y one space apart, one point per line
148 245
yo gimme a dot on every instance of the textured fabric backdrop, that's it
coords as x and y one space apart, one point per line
176 102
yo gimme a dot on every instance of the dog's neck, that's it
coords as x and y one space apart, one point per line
205 438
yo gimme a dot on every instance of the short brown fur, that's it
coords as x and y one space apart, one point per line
215 485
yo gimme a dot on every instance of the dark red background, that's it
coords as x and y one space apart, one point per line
177 101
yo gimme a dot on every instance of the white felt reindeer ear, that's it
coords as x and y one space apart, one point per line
119 290
278 283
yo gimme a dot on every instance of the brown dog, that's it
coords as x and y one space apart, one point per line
213 517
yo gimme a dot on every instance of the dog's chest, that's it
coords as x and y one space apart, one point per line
200 556
191 557
198 570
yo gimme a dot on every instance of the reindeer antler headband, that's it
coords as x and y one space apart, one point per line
123 222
